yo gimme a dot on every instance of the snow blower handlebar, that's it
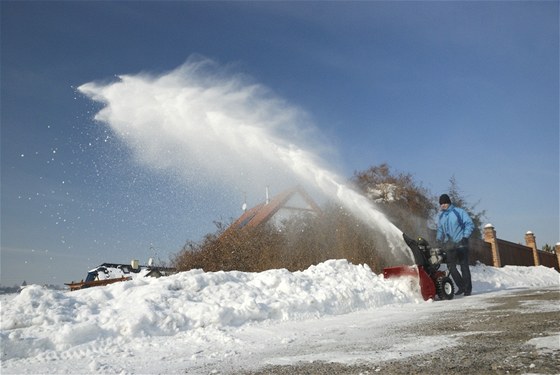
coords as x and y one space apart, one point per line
424 254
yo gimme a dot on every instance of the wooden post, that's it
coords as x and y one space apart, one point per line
531 241
557 249
490 237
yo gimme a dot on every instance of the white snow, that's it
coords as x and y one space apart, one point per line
197 322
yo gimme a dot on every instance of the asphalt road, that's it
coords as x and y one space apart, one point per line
492 340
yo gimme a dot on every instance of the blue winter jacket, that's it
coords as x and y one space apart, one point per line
454 224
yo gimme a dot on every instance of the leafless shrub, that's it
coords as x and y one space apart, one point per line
295 244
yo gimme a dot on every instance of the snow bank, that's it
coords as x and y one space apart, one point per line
487 278
43 322
41 319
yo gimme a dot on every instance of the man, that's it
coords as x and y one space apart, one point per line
454 229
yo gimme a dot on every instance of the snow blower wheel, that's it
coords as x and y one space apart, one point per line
444 287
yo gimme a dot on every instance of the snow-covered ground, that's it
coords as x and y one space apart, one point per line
197 322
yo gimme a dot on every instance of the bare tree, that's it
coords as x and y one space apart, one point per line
406 202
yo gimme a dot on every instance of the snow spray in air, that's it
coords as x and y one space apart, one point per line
203 123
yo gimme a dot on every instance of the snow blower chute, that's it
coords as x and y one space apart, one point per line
428 260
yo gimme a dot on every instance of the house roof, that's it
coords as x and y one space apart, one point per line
263 212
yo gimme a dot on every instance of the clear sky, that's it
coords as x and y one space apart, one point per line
435 89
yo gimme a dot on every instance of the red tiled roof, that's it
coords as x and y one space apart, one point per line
262 212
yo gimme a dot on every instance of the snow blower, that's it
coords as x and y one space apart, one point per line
428 261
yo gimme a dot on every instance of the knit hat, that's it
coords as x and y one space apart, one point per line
444 198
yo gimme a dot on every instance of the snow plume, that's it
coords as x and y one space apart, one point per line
206 125
198 121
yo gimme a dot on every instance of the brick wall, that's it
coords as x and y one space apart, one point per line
495 252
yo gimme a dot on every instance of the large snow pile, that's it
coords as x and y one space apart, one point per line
106 329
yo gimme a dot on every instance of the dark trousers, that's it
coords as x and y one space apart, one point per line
460 256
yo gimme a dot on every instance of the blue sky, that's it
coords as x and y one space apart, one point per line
435 89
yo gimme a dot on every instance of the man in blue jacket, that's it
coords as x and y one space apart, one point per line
454 229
